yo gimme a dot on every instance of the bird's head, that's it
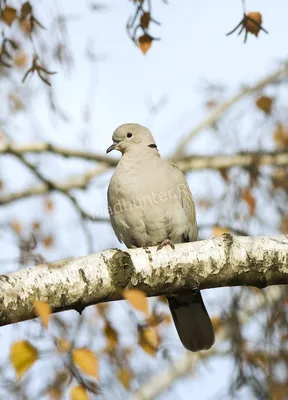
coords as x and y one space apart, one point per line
129 136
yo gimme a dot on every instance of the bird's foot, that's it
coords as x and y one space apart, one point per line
166 242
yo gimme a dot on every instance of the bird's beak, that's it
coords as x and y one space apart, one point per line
111 148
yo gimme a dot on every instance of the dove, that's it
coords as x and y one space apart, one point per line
150 204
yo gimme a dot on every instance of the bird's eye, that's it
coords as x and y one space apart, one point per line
129 134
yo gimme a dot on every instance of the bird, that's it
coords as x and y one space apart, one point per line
150 204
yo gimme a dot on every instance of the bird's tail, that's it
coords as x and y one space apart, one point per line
192 321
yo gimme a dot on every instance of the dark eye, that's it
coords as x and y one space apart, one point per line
129 134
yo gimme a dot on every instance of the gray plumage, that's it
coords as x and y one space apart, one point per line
150 201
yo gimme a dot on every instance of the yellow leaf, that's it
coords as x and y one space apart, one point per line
145 43
16 227
22 356
20 59
265 104
78 393
137 299
54 393
86 360
111 335
250 200
43 310
63 345
8 15
125 376
148 339
219 230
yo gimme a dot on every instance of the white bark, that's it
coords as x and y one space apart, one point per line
77 283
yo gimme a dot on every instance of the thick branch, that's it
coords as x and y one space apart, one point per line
236 160
192 162
75 284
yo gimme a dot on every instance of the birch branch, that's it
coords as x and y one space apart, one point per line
77 283
281 73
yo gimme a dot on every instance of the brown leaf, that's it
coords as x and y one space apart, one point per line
36 226
265 104
219 230
86 360
48 241
16 227
284 225
111 335
43 310
148 339
145 19
79 393
48 205
216 323
22 356
25 25
8 15
145 43
250 200
26 9
281 137
125 376
224 174
137 299
251 26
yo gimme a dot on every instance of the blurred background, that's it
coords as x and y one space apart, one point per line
218 107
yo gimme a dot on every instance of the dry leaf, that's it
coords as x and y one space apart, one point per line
148 339
111 335
86 360
251 26
145 19
265 104
63 345
26 9
216 323
79 393
48 241
54 393
125 376
43 310
25 25
250 200
137 299
8 15
145 43
284 225
219 230
16 227
281 137
48 205
22 356
20 59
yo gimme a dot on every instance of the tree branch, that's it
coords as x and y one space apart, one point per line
282 72
75 284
